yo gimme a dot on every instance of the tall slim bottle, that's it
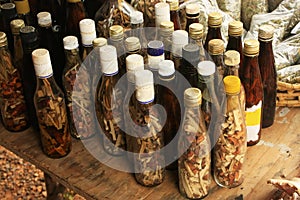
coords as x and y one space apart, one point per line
196 37
137 27
268 74
162 13
166 31
155 54
174 13
180 38
15 26
235 32
192 15
88 34
215 20
24 13
216 52
55 8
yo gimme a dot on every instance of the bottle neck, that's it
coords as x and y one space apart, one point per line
218 59
231 70
72 57
266 48
235 43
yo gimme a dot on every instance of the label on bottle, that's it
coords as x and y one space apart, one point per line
145 94
153 61
253 120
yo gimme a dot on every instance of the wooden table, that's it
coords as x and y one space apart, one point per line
277 154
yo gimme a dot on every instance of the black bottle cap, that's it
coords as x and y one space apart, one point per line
29 38
8 11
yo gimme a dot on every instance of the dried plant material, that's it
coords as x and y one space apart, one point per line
231 7
194 164
288 186
250 8
289 74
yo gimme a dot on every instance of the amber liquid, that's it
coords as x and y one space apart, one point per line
174 14
213 33
190 19
235 43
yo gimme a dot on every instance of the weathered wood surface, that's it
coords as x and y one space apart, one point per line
278 154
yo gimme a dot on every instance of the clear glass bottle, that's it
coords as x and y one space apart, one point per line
235 32
13 106
268 74
230 149
24 13
166 97
174 13
216 52
149 160
251 80
81 121
166 31
88 34
215 20
162 13
133 46
15 26
194 165
109 103
192 14
137 28
180 38
147 7
155 54
50 108
30 42
196 37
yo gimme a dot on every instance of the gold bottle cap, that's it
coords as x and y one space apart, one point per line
266 32
3 39
132 44
235 28
232 58
174 4
192 97
99 42
196 31
16 25
232 84
116 31
22 6
251 47
166 28
216 47
73 1
192 8
215 19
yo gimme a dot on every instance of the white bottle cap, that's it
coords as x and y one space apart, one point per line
42 63
206 68
162 9
166 68
87 31
180 38
192 8
70 42
136 17
134 63
44 19
109 60
144 85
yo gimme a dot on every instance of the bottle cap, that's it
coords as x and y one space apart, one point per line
232 58
29 38
3 39
166 68
192 8
196 31
9 10
42 63
16 25
144 85
87 31
136 17
70 42
251 47
192 97
174 4
216 47
179 39
134 63
232 84
162 9
166 28
99 42
235 28
215 19
22 6
116 32
132 44
190 53
155 48
109 59
266 32
206 68
44 19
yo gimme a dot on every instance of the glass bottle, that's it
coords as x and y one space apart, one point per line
174 13
13 106
230 149
79 103
147 8
55 8
50 108
196 37
162 13
251 80
91 6
166 31
30 42
116 39
190 55
182 14
194 165
235 32
180 38
268 74
96 77
137 27
50 39
109 103
192 14
24 13
16 25
88 34
214 28
155 54
166 97
216 52
149 160
4 1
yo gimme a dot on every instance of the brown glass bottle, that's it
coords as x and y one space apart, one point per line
268 74
182 14
216 52
214 28
174 13
24 13
88 34
251 80
16 25
55 8
196 37
30 42
166 31
235 31
192 15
